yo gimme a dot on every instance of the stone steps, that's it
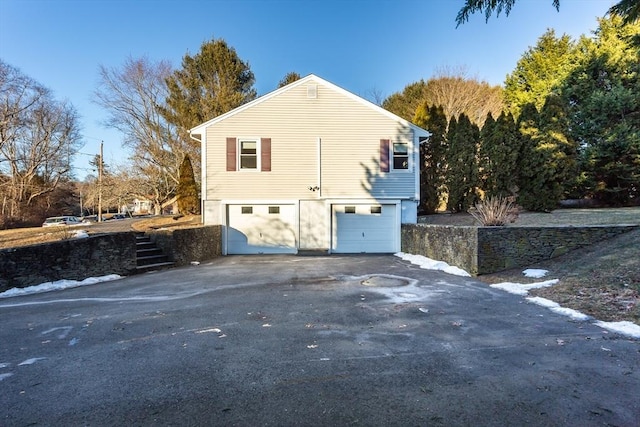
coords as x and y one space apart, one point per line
149 257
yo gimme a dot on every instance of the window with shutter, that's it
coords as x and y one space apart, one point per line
231 154
265 154
384 155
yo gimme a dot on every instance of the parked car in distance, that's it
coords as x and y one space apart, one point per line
115 216
90 219
61 220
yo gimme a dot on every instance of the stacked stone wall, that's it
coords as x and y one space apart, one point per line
186 245
73 259
484 250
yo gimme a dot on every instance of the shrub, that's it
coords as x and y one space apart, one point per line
495 211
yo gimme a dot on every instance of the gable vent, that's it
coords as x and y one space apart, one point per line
312 91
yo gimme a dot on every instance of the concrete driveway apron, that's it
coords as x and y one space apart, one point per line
290 340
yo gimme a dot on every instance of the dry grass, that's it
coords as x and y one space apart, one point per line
155 223
495 211
602 280
32 236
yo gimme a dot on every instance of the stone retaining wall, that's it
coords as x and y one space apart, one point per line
185 245
484 250
99 255
74 259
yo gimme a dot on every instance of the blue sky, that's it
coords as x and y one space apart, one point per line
360 45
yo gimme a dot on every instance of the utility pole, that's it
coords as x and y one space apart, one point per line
100 184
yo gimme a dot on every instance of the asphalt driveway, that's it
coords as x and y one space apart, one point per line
291 340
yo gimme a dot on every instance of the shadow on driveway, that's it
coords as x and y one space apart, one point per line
287 340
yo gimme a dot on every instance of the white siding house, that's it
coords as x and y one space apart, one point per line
309 166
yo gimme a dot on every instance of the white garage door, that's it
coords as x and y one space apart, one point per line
368 228
261 229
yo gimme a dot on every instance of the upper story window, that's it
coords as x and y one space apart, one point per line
248 154
400 155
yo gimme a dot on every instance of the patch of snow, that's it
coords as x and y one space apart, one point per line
3 376
430 264
81 234
57 286
625 328
556 308
523 288
4 365
204 331
31 361
535 273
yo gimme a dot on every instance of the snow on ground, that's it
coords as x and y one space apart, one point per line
56 286
523 289
81 234
536 273
430 264
624 328
556 308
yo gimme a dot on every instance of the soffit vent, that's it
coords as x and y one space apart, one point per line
312 91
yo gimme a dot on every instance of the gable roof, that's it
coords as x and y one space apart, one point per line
307 79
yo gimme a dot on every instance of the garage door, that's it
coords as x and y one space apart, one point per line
261 229
364 228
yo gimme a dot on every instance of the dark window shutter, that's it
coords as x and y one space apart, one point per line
384 155
265 153
232 146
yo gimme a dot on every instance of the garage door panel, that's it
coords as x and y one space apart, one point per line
364 228
261 229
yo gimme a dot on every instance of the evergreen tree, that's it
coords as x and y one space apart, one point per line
499 152
405 103
187 190
603 98
289 78
462 173
629 10
432 159
544 163
210 83
539 72
562 152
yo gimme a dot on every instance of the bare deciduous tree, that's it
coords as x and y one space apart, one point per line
38 138
455 91
134 95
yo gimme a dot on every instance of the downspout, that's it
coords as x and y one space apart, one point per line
203 172
319 168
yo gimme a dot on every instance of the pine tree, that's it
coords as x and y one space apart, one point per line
549 157
289 78
499 151
540 71
432 160
602 94
210 83
462 174
187 190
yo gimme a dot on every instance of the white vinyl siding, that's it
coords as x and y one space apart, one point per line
349 132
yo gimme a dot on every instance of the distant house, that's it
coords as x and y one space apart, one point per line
309 166
142 206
